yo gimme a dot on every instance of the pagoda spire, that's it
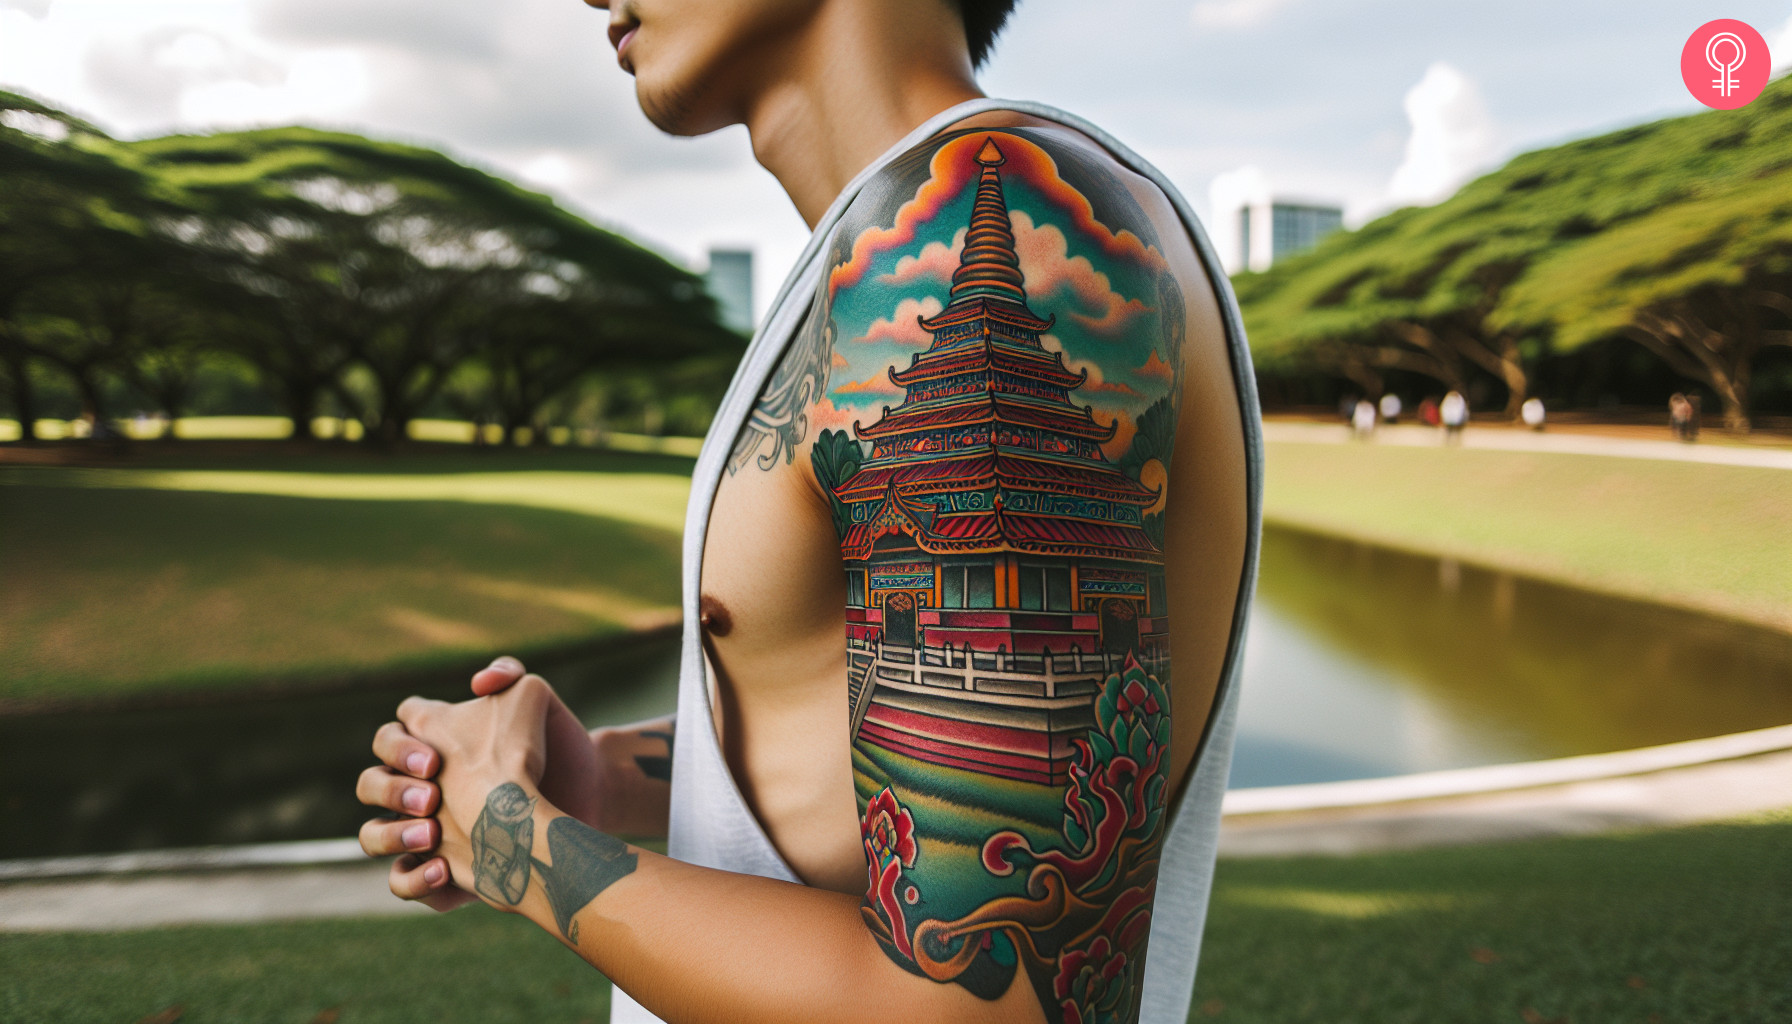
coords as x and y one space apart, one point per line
988 266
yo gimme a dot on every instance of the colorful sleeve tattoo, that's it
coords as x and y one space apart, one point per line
999 341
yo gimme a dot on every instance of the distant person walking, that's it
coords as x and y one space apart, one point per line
1532 413
1428 412
1454 412
1683 418
1390 408
1362 419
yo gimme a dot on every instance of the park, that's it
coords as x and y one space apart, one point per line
300 422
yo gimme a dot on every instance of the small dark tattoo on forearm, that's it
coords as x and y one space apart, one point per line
502 839
656 766
585 861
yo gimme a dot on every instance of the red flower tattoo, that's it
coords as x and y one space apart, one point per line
888 832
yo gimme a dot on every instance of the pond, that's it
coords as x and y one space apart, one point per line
1361 662
1365 662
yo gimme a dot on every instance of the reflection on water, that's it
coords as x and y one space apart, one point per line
1360 662
1363 661
256 770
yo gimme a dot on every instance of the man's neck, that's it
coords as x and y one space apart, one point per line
865 75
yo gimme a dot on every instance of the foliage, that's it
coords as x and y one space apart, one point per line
348 272
1622 223
836 457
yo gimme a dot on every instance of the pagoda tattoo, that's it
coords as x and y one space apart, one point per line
1007 631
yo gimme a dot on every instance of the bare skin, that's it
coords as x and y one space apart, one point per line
489 793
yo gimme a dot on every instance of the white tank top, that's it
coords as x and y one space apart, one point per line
711 824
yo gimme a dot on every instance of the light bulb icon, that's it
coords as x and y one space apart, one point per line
1725 83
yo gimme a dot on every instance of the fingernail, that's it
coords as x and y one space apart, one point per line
415 837
415 799
505 662
417 763
433 873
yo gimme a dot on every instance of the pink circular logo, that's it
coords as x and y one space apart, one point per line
1724 64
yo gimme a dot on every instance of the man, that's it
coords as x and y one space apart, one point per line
986 466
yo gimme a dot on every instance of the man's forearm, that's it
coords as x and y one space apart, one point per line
636 777
694 944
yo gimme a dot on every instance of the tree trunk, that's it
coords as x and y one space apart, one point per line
92 401
1499 357
1513 373
301 408
1698 353
24 396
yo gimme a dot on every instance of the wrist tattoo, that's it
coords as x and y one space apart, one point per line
502 840
583 861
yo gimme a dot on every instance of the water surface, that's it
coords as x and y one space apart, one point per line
1361 662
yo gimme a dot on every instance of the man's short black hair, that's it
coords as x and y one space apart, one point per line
983 21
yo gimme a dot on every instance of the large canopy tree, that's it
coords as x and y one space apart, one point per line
1431 289
1705 284
403 264
71 216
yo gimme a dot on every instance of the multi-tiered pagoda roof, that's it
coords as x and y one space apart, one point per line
987 452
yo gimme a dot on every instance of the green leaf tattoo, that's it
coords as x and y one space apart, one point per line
585 861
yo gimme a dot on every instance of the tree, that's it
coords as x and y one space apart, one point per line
1431 290
67 206
1706 285
403 264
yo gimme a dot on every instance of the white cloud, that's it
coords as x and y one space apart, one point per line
1452 136
1235 13
317 85
1779 45
1230 192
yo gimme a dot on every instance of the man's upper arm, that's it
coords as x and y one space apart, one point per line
995 443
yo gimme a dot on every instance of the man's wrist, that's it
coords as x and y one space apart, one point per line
502 841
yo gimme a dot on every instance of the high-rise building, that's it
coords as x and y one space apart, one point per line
1253 226
1279 228
730 280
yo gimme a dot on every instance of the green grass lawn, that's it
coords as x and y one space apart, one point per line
177 576
1716 538
1686 925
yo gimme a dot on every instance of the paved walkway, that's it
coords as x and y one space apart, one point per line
1511 440
1679 796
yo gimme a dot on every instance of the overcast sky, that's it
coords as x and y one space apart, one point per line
1371 103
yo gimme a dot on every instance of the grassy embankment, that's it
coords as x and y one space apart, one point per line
1685 925
183 576
1711 537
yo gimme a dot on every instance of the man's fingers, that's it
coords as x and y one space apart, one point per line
414 710
416 875
382 837
394 745
383 787
498 675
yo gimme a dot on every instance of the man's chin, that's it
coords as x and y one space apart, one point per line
675 108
